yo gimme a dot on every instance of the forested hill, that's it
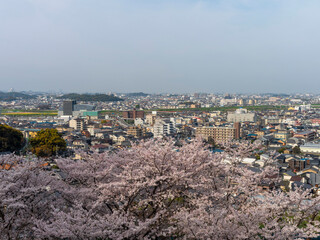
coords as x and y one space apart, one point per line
9 96
91 97
137 94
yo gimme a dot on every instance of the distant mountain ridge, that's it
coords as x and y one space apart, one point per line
91 97
137 94
10 96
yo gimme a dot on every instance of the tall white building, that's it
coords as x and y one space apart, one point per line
163 128
241 115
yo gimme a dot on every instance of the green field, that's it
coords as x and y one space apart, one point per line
21 112
29 114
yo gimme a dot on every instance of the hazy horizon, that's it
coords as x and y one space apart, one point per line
161 93
167 46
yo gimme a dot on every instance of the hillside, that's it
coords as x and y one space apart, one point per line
91 97
9 96
137 94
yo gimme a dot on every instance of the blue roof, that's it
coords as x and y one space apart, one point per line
29 129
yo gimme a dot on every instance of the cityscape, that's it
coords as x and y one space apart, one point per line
285 129
280 122
160 120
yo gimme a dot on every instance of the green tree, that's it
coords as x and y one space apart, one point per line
48 142
281 150
296 150
10 139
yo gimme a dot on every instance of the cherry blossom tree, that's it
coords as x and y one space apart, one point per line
154 190
27 192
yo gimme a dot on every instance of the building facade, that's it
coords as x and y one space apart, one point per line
218 133
306 135
241 115
163 128
136 132
77 124
68 108
132 114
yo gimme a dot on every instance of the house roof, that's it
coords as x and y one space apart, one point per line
289 173
314 170
300 184
101 146
295 179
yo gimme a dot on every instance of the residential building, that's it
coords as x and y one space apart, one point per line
77 124
306 135
133 114
163 128
297 164
151 119
237 127
241 115
283 135
311 148
136 132
217 133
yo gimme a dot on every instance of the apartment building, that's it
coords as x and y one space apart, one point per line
151 119
241 115
163 128
133 114
136 132
307 135
218 133
77 124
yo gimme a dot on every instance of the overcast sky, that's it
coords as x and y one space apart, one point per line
157 46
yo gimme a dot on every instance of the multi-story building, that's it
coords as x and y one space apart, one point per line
68 108
163 128
311 148
241 115
283 135
306 135
72 109
218 133
133 114
272 120
151 119
136 132
77 124
237 127
297 164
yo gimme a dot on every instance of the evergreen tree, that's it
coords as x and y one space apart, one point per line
10 139
296 150
48 142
